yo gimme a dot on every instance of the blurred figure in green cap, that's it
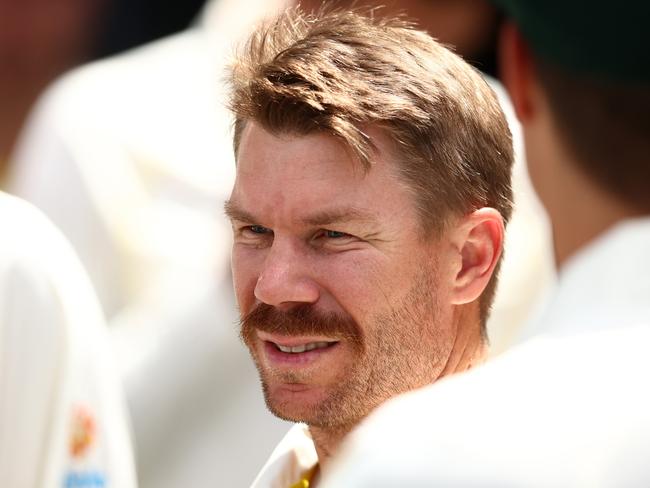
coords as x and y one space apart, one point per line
580 84
569 405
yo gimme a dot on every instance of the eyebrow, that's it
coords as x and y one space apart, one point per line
235 212
339 216
322 218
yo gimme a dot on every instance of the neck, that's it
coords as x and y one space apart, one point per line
326 441
584 217
469 348
579 209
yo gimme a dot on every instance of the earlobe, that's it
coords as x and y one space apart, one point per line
480 242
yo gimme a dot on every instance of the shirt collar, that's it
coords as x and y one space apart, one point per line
294 455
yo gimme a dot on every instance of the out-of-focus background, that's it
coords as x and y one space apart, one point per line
40 39
113 122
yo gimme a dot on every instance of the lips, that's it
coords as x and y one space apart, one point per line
310 346
292 350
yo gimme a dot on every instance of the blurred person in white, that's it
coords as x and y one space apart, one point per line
569 405
131 157
63 419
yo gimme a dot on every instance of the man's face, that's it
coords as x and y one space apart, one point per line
344 303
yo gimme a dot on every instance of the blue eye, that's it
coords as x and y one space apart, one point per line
333 234
258 229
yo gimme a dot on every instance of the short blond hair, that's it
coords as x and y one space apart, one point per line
340 71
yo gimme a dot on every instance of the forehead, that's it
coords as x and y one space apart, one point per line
302 156
297 174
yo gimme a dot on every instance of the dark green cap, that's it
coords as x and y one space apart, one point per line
608 39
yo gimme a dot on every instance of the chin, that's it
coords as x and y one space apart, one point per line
314 408
295 403
290 413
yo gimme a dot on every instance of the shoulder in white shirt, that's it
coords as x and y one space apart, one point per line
62 417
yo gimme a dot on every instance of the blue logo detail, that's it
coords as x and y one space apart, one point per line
85 479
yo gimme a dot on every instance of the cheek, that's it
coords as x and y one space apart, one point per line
246 266
358 282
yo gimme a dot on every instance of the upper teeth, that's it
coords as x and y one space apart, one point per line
302 347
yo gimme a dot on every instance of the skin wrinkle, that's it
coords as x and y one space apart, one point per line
325 218
464 353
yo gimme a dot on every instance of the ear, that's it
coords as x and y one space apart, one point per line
478 240
516 69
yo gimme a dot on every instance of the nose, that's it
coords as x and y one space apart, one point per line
285 280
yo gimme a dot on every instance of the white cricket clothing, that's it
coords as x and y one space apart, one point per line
292 458
62 418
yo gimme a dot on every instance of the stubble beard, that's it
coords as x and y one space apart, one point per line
394 360
335 410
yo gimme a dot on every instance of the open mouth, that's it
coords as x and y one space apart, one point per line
297 351
310 346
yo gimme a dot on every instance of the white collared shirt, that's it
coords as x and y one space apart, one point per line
292 458
569 406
